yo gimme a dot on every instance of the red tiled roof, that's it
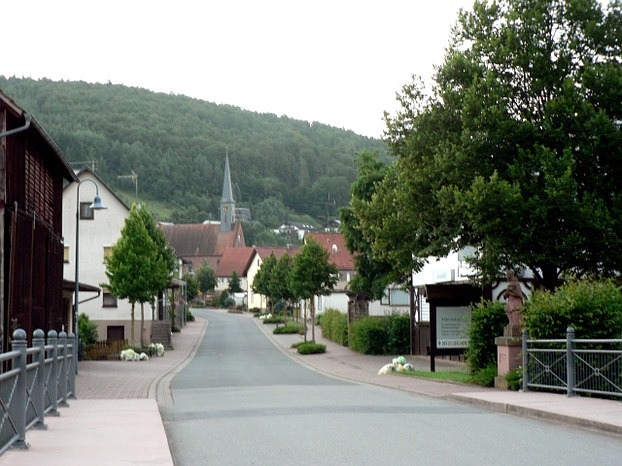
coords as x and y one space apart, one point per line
199 242
278 251
234 260
335 244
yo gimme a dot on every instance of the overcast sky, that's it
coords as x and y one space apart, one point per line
339 62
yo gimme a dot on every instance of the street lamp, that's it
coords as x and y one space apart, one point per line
96 205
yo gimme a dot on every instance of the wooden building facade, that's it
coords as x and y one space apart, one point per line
32 174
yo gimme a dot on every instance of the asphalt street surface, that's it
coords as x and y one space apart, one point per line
242 401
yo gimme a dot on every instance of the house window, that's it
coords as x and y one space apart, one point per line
110 300
400 297
66 254
86 213
107 251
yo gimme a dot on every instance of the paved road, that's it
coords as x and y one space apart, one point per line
242 401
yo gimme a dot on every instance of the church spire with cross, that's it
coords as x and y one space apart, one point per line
227 204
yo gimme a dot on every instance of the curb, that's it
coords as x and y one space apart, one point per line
160 387
525 411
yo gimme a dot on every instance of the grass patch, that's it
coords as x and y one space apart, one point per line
308 347
289 328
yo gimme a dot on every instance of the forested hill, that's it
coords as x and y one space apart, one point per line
280 167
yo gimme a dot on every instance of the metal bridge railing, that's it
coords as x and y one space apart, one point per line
573 365
37 381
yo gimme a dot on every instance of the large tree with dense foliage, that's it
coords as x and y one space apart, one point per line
313 275
373 271
518 149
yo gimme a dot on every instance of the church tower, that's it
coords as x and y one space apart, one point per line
227 204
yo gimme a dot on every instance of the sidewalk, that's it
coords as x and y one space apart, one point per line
116 420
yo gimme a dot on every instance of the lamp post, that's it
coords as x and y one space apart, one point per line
96 205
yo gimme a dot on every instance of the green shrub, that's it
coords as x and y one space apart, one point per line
487 321
221 298
334 325
592 308
398 333
289 328
87 330
485 376
514 378
368 336
309 347
189 316
273 320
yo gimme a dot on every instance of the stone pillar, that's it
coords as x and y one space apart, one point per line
509 349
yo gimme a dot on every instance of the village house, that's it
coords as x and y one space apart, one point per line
260 254
236 260
338 254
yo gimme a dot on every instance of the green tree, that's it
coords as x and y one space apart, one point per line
518 150
161 276
372 274
192 286
206 278
135 268
313 274
262 281
280 283
234 283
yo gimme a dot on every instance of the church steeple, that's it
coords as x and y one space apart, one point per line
227 204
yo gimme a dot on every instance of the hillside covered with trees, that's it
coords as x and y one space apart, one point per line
281 168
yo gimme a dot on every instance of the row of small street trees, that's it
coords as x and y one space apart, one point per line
516 150
300 278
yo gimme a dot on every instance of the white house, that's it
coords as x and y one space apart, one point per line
98 232
454 268
338 254
259 255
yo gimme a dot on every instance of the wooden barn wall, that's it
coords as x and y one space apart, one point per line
33 247
35 275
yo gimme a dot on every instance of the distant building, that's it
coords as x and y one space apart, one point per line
243 213
335 245
256 300
233 260
294 229
199 243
